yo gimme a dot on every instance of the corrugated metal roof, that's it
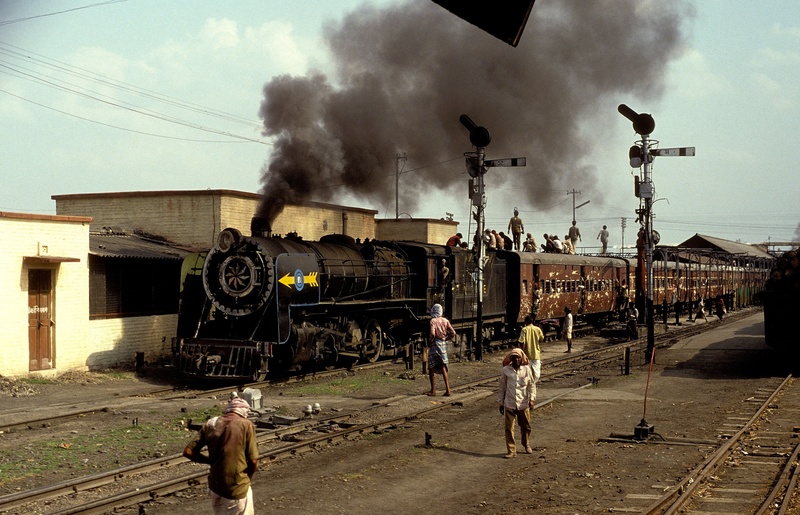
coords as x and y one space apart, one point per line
731 247
133 246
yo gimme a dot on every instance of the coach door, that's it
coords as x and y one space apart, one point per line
40 297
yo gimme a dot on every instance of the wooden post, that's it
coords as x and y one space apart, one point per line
425 360
627 367
409 356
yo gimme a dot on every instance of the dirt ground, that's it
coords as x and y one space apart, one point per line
696 389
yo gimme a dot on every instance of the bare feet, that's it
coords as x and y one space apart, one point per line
430 394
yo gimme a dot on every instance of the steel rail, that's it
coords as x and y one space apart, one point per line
86 483
172 395
156 490
788 474
681 494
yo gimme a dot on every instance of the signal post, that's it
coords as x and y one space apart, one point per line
641 155
477 166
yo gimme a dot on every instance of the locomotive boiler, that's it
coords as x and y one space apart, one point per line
269 302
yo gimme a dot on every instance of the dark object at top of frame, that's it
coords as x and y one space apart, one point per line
504 20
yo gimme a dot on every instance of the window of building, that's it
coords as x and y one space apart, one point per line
127 287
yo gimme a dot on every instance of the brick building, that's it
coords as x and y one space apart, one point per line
195 218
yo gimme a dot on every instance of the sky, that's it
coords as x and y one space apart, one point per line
311 100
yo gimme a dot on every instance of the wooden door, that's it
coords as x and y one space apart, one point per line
40 294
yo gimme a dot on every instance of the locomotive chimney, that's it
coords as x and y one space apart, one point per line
259 227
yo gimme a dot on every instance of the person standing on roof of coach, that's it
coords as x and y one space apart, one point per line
516 228
603 237
574 234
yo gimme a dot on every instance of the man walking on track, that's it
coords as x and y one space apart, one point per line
233 456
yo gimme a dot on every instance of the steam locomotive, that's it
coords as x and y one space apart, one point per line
264 303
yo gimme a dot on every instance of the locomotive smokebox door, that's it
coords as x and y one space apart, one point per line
297 278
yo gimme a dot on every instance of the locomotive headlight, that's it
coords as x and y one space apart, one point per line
228 239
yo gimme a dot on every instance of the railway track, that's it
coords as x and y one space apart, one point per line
82 409
133 484
10 423
754 471
102 492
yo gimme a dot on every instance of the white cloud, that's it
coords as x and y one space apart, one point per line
775 92
276 40
691 76
765 84
785 32
220 33
772 57
101 61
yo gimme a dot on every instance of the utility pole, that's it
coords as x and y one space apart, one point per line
399 157
641 155
574 207
624 224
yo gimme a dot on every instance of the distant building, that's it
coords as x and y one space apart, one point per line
701 241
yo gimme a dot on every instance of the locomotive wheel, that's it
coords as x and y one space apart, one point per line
372 344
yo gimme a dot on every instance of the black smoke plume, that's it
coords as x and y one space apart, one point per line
404 74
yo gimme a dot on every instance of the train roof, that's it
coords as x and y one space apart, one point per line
546 258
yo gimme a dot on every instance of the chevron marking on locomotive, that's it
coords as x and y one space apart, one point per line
298 280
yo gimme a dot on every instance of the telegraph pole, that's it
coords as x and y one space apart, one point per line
574 207
624 223
399 157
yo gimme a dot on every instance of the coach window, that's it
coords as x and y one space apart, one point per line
525 287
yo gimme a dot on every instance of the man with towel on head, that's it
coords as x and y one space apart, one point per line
441 331
233 456
516 395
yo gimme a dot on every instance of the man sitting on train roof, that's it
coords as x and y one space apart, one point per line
455 240
530 244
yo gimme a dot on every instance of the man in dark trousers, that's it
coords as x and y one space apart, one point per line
233 456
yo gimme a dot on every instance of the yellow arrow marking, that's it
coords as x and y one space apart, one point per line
308 280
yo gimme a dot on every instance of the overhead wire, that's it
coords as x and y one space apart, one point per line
72 88
27 18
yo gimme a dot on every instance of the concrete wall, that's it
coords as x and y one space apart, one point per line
191 218
114 341
46 241
422 229
196 217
